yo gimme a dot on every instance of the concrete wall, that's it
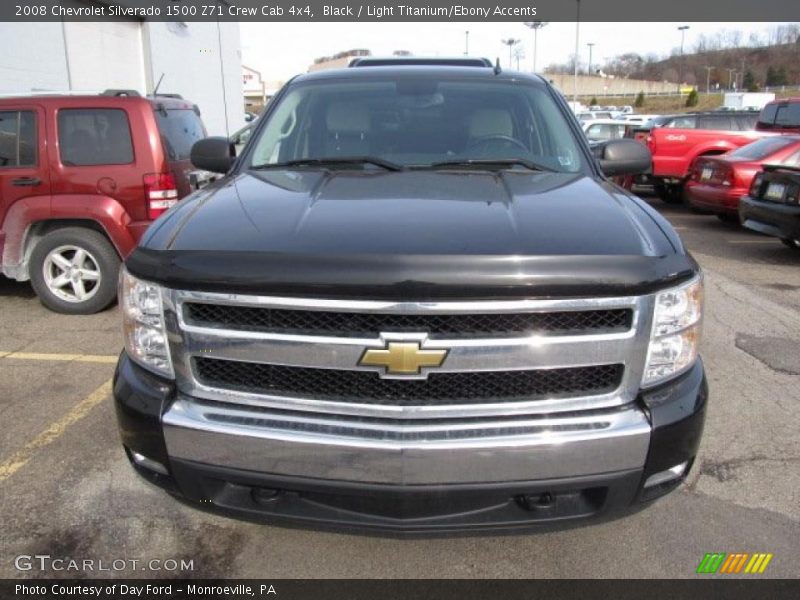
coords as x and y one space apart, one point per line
591 85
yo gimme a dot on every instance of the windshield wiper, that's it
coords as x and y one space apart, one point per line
333 161
491 162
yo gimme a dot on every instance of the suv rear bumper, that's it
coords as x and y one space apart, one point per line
556 471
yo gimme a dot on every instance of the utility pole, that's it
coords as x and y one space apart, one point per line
730 78
682 29
535 26
708 78
510 42
577 56
591 45
466 43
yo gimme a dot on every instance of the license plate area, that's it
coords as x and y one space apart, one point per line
775 192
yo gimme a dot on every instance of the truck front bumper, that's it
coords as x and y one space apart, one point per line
415 478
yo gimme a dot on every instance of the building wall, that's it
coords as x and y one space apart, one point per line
33 57
200 61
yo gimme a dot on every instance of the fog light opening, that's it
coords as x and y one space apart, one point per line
669 475
149 463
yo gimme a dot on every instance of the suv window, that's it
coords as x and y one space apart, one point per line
416 121
17 139
94 136
715 122
180 129
682 123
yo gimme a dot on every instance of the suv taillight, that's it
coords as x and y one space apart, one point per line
161 193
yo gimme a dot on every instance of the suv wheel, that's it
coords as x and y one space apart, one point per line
794 244
74 271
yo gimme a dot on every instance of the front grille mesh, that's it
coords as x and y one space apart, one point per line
365 387
346 324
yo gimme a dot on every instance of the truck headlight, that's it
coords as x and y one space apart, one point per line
677 320
143 324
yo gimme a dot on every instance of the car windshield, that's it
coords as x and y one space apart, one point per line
763 148
418 122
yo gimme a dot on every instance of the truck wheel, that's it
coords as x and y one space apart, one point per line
794 244
74 271
669 193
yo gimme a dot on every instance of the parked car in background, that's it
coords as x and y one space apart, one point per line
602 130
717 183
682 138
81 178
781 116
773 204
241 137
592 115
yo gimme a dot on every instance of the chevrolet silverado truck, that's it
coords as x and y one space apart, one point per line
414 303
677 143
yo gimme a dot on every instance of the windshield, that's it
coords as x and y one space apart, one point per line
418 122
762 148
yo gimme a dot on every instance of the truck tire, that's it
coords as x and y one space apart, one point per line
670 194
74 271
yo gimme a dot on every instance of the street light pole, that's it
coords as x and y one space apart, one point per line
535 26
577 45
510 42
591 45
682 29
466 43
708 79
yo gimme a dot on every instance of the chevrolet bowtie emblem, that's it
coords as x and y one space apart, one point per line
402 358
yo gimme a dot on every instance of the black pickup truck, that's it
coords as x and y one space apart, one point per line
414 303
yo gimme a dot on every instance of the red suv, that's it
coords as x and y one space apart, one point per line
81 178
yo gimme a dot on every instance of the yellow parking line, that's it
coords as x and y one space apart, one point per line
89 358
20 458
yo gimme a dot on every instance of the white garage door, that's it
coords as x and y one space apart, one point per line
105 55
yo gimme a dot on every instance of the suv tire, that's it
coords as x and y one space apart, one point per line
74 271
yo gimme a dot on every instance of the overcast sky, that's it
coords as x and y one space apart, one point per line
282 50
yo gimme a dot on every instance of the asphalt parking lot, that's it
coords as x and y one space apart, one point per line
69 492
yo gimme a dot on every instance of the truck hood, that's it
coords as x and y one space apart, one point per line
298 230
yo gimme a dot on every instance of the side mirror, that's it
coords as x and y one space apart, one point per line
624 157
213 154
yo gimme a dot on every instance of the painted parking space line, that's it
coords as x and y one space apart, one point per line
769 241
88 358
55 430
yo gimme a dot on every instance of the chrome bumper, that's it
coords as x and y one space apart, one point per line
403 452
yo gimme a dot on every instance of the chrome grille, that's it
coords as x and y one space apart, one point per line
503 357
439 388
354 324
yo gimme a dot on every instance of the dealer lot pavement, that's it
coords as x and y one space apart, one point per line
68 490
